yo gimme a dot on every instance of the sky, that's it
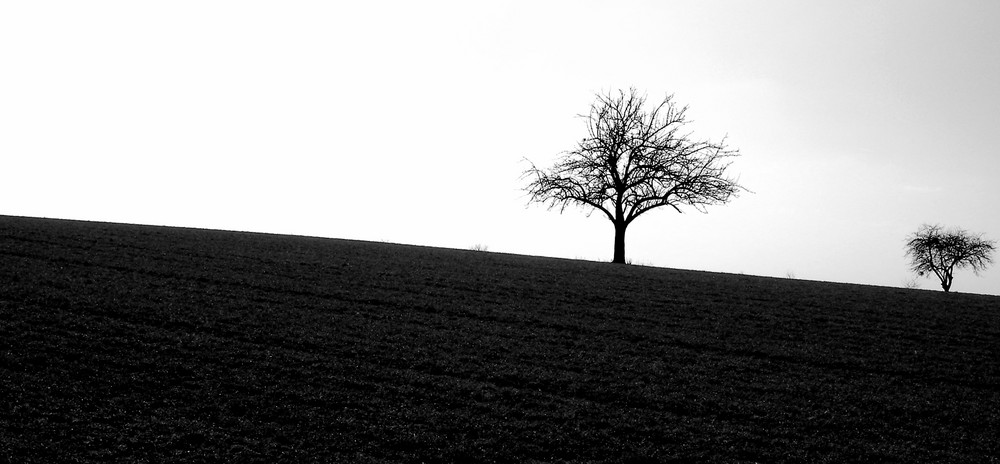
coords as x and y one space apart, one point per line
412 122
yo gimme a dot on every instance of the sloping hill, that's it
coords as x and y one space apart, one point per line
151 344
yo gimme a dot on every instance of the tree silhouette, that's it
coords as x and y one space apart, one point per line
634 160
935 250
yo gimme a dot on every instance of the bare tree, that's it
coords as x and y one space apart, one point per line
633 160
935 250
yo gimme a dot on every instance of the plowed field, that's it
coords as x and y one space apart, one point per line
124 343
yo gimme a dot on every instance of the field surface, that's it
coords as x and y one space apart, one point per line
123 343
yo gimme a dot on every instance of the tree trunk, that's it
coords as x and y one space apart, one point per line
946 281
619 243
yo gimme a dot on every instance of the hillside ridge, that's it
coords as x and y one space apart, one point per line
56 221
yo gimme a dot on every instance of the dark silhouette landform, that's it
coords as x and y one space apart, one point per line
127 343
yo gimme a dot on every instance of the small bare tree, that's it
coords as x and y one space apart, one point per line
635 159
933 250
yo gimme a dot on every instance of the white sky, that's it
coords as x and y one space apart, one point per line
408 121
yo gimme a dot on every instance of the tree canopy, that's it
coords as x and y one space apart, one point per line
934 250
636 158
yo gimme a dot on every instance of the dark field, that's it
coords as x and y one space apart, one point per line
124 343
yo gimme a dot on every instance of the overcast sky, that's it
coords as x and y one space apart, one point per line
409 121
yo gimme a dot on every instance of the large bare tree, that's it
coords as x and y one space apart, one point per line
636 158
933 250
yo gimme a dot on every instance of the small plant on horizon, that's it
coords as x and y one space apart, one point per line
933 250
911 283
635 158
480 247
790 275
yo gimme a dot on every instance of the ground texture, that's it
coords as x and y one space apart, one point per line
124 343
